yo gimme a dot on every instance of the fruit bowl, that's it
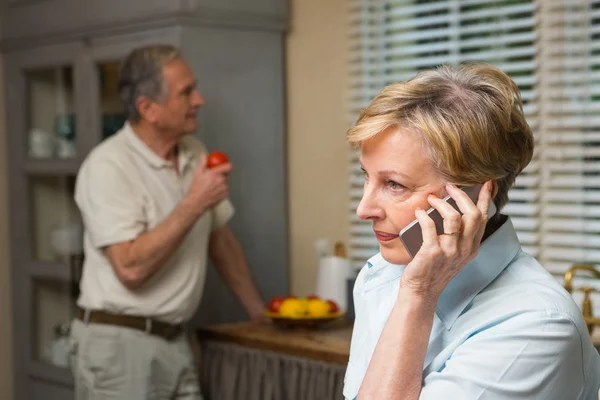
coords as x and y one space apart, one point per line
307 312
304 321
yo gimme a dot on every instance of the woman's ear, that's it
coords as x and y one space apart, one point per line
494 189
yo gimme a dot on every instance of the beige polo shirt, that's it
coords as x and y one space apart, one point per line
124 189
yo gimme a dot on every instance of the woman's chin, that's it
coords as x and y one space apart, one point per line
396 255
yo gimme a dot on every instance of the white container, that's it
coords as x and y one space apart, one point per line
67 239
65 148
331 284
41 144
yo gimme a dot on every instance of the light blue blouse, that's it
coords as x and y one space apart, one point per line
504 328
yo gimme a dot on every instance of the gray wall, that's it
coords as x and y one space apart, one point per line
241 76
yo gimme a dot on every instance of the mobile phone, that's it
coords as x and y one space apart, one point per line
412 236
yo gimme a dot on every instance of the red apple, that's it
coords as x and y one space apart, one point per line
275 303
333 307
216 158
313 297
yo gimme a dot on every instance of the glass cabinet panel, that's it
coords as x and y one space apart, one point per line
112 111
57 228
51 114
54 307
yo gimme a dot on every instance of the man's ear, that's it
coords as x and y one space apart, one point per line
147 108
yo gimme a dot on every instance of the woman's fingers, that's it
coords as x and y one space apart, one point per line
483 204
428 230
463 201
442 257
485 197
472 215
451 217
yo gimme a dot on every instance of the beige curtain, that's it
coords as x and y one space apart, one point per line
232 372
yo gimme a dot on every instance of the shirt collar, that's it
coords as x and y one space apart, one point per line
377 259
186 154
133 140
495 253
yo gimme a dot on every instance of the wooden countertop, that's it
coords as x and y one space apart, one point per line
329 343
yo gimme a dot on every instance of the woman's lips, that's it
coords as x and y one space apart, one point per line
384 236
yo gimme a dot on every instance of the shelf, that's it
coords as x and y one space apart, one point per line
52 167
51 373
50 270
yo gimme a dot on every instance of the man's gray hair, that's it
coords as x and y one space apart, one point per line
141 75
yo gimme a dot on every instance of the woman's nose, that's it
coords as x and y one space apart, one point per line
368 208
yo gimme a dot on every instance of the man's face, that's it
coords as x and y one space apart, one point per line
176 112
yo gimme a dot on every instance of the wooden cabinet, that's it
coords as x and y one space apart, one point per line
61 67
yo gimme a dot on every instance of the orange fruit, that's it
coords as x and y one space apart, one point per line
293 308
318 308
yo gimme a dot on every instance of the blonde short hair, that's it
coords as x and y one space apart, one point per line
470 119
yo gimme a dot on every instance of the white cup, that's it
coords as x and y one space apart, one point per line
41 144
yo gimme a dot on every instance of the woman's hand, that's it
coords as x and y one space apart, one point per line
442 257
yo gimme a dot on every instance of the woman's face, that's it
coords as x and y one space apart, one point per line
398 178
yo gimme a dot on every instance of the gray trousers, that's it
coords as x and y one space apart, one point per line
116 363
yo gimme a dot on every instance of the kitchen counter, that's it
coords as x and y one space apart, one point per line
268 362
328 343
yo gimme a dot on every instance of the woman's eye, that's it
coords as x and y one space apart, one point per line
365 174
395 185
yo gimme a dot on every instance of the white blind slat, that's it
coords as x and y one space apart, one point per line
551 48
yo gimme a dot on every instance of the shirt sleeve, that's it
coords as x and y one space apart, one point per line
111 210
221 214
533 355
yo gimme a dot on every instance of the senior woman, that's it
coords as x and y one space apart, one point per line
471 316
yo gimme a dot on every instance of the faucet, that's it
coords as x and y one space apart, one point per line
586 308
578 267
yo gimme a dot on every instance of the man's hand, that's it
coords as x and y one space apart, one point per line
135 261
257 315
209 186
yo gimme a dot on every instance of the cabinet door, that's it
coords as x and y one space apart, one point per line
47 116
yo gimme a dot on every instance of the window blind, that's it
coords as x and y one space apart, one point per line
570 102
393 40
551 48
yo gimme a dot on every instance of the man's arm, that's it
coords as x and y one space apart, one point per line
135 261
227 254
